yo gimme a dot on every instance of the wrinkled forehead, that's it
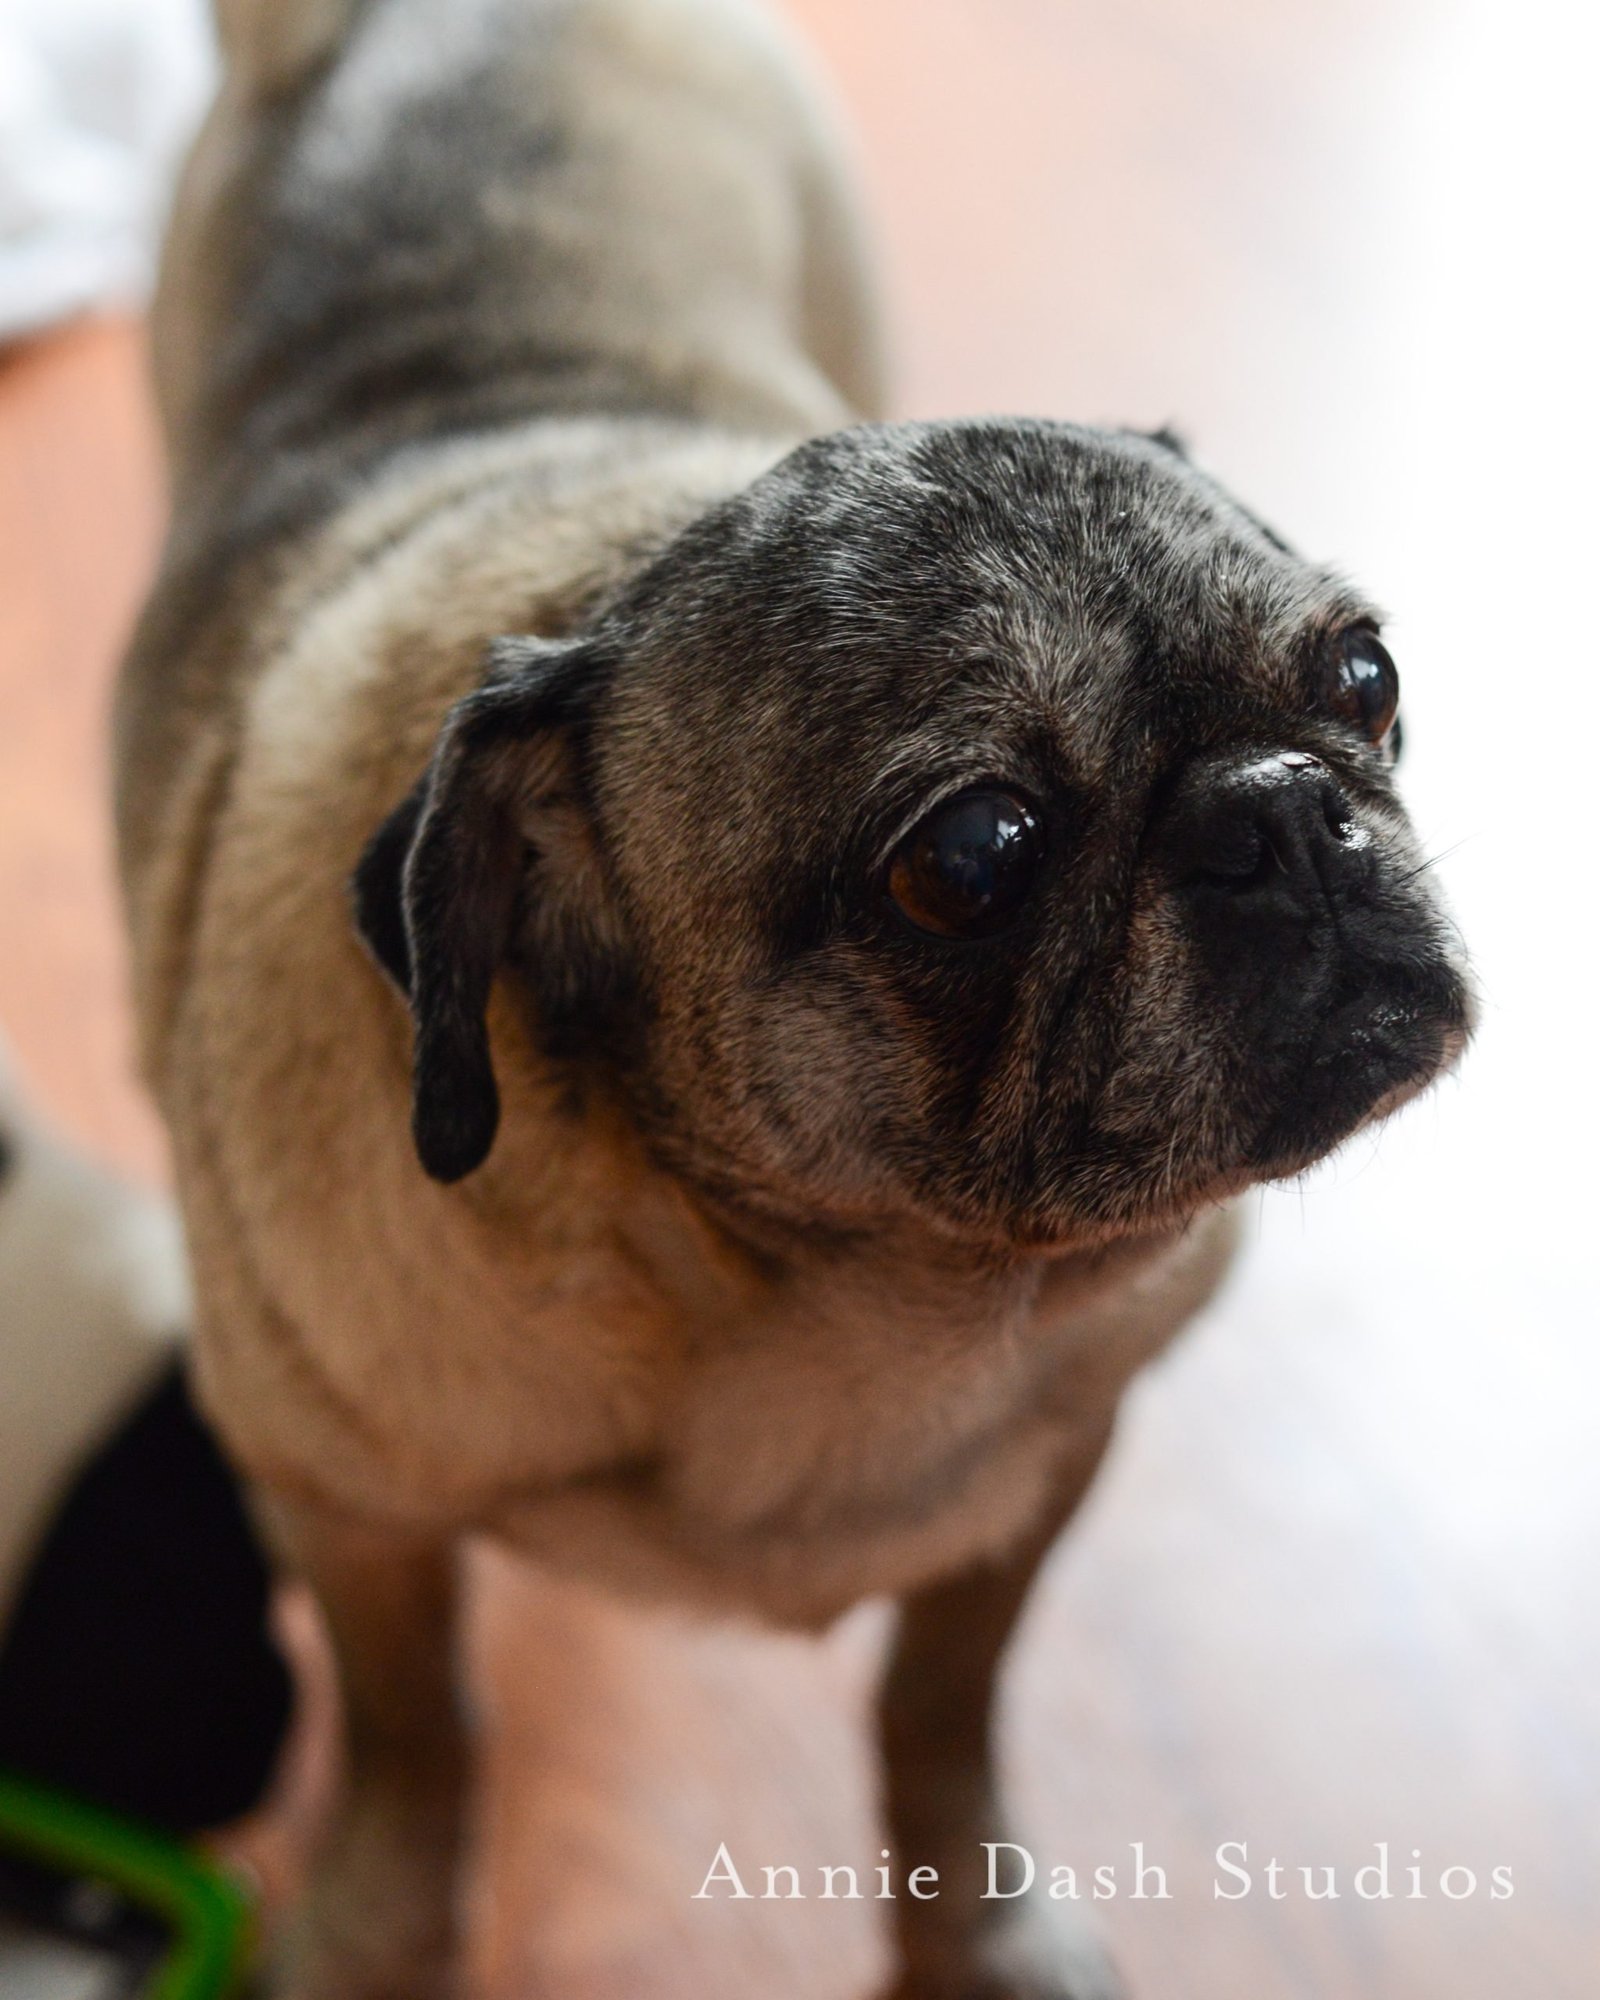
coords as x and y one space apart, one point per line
911 606
1082 578
1126 653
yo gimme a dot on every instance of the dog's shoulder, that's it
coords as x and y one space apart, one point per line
281 1050
325 645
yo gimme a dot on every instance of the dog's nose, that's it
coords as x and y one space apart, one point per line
1271 833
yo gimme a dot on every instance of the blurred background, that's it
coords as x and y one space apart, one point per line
1339 1584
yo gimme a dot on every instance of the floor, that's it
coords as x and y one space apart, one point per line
1337 1590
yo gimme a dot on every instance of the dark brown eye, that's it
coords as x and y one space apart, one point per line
1366 687
966 870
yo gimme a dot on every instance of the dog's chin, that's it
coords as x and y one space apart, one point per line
1354 1068
1365 1062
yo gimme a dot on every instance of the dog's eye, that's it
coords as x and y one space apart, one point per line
1366 688
966 869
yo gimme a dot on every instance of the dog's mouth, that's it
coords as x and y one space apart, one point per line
1359 1061
1371 1053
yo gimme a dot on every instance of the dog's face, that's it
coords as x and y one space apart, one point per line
987 823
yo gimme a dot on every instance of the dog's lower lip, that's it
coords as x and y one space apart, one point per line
1369 1058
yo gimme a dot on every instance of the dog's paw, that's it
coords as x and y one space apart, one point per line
1028 1955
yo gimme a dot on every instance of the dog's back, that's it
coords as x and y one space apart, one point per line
413 230
408 217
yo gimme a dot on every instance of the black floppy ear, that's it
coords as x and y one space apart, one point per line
436 890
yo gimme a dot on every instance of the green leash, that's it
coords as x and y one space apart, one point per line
207 1913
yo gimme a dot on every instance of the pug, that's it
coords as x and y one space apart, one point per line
712 963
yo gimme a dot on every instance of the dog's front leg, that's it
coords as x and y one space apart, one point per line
380 1920
936 1716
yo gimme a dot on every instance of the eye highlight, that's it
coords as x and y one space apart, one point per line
1364 686
966 869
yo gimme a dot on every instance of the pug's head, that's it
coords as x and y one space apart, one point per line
988 823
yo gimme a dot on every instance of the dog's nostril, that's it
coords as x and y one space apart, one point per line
1241 854
1336 814
1279 830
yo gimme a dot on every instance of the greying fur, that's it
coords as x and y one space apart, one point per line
550 653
